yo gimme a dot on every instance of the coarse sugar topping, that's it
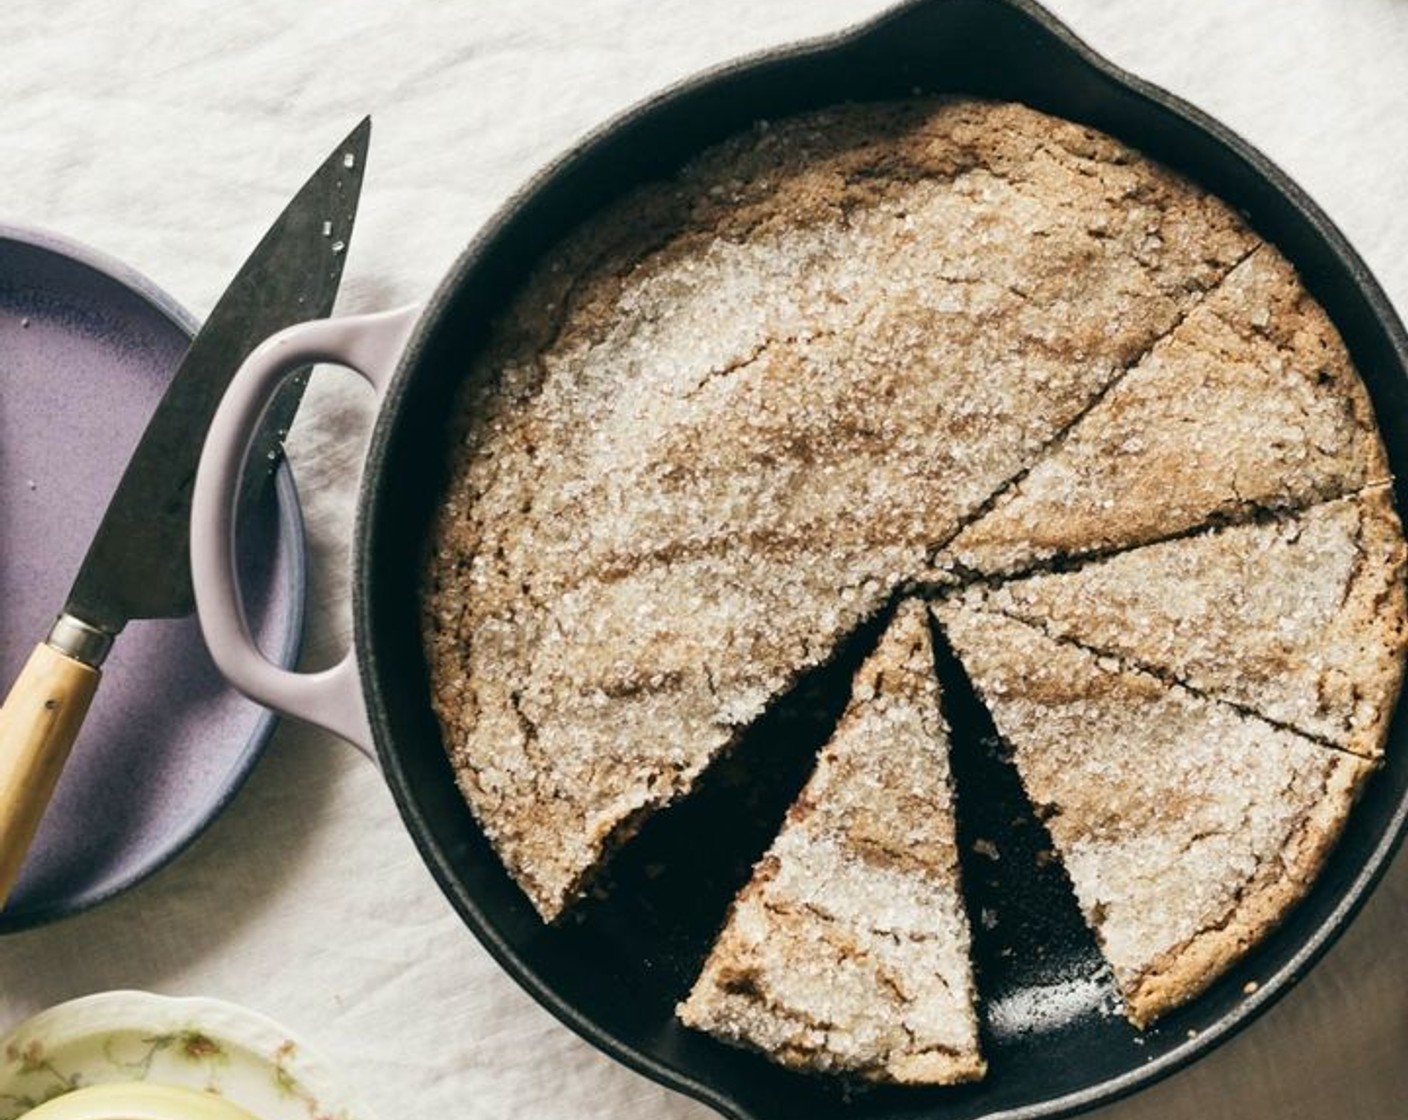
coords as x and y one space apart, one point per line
1300 619
1250 403
731 415
849 948
1188 828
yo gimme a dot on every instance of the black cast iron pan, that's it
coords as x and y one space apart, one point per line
614 968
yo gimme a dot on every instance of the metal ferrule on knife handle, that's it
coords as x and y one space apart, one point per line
77 639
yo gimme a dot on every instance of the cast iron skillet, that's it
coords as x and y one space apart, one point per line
614 968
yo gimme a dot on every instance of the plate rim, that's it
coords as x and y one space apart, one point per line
291 579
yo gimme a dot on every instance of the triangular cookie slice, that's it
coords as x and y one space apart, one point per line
1251 403
848 950
1188 828
1301 620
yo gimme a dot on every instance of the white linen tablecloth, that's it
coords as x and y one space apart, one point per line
170 134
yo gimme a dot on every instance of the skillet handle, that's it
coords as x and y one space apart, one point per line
332 698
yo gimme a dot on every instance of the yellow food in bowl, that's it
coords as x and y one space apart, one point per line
137 1100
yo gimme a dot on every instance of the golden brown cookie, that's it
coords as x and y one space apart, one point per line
1188 829
729 417
848 950
1301 620
1250 404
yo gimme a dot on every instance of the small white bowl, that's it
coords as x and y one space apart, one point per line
205 1045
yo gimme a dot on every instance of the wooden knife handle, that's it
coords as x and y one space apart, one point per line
38 724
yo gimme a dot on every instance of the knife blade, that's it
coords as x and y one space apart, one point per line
138 563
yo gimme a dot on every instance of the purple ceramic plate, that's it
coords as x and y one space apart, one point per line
86 349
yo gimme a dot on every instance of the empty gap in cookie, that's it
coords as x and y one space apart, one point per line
1172 680
1250 513
1038 966
668 891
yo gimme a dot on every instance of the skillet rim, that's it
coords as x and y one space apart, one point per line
377 492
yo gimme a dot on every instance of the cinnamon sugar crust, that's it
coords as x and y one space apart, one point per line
730 417
889 347
1189 829
1250 404
1301 620
848 950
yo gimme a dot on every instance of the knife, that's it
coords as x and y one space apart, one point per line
138 565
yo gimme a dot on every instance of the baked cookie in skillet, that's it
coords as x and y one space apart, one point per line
1188 828
723 423
849 949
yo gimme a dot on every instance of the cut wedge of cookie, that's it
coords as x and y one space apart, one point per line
849 949
1188 828
1250 404
1301 620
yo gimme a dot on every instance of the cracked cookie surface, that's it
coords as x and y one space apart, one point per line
727 419
1188 828
849 949
1251 403
1301 620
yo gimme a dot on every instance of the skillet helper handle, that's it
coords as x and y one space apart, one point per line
39 721
370 345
